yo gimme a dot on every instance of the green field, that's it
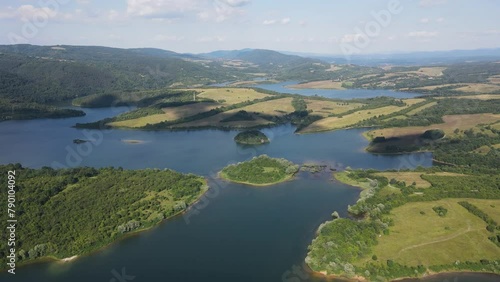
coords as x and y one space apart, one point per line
333 123
170 114
418 110
415 177
415 237
326 108
230 96
276 107
451 123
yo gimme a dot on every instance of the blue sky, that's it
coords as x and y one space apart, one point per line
314 26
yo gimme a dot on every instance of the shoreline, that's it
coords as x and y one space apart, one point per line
427 274
289 178
52 259
68 259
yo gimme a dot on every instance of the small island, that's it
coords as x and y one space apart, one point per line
251 137
260 171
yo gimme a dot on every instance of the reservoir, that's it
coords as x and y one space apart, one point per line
345 94
239 233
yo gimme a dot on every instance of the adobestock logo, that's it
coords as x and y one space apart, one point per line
362 37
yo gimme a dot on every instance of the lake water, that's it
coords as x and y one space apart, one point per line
237 233
337 94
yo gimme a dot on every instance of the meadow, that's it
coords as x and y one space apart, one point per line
419 231
332 123
451 123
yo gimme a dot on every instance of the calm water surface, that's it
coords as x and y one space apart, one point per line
239 233
337 94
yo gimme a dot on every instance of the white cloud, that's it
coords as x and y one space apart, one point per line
285 20
29 12
431 3
440 20
302 23
423 34
269 22
160 8
424 20
217 10
277 21
224 9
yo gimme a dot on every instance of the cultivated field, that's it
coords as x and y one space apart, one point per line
333 123
479 88
230 96
478 97
419 109
427 71
467 87
451 122
410 177
171 113
323 84
334 68
415 237
412 101
491 207
325 108
494 79
276 107
407 177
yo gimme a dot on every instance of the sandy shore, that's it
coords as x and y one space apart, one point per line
69 259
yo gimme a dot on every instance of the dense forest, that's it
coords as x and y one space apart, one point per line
261 170
19 111
75 211
34 76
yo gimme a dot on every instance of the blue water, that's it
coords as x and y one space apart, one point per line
337 94
236 233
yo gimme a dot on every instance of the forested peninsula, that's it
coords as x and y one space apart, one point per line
72 212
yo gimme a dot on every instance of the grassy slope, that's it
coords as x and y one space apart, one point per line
410 177
333 123
414 238
171 113
451 122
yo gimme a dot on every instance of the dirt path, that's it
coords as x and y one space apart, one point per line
441 240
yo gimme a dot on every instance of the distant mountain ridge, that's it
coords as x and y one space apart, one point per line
45 74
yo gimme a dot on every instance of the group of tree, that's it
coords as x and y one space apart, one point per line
260 170
75 211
